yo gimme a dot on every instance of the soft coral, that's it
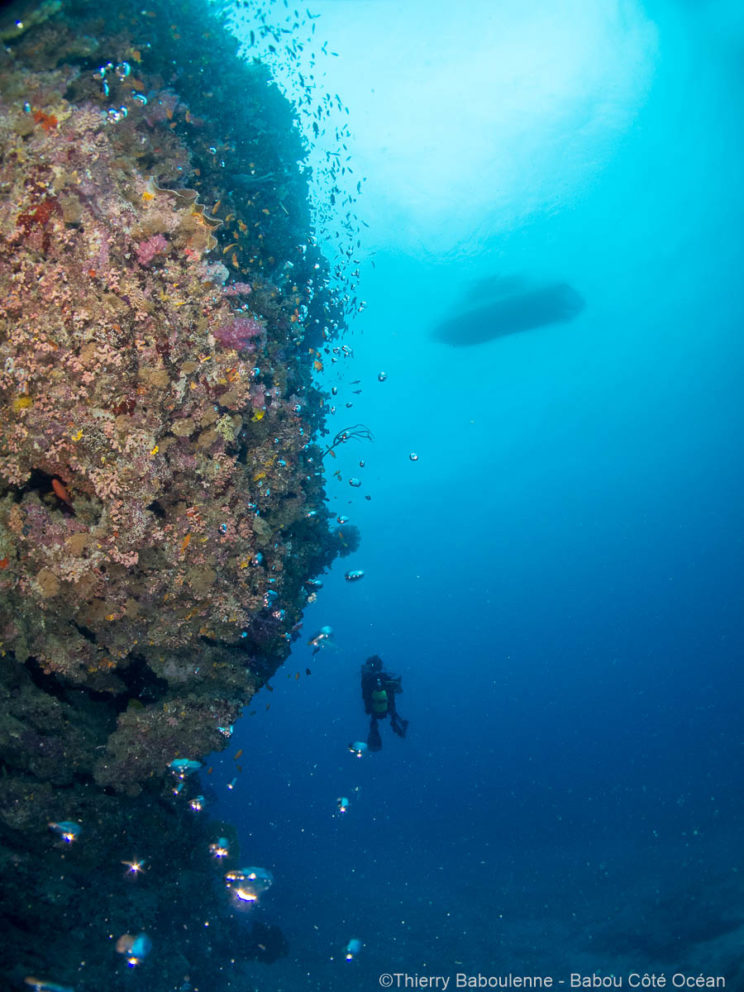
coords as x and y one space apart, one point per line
239 333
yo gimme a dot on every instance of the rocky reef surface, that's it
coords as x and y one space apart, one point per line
162 304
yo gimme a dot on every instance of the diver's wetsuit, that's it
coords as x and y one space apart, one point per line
379 689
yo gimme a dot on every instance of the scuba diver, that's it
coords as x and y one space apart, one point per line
379 689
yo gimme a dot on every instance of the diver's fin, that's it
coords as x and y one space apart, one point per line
374 741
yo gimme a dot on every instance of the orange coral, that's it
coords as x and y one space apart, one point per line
47 121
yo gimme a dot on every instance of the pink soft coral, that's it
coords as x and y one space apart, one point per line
239 333
238 289
258 397
147 250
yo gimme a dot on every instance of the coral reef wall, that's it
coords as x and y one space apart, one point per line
161 497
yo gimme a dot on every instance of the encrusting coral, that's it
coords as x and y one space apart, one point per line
161 496
155 462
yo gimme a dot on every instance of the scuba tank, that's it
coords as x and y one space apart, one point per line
379 699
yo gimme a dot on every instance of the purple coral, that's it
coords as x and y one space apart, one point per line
147 250
238 289
239 333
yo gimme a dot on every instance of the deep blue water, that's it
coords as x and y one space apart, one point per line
558 577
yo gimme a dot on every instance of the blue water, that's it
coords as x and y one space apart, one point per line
558 577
